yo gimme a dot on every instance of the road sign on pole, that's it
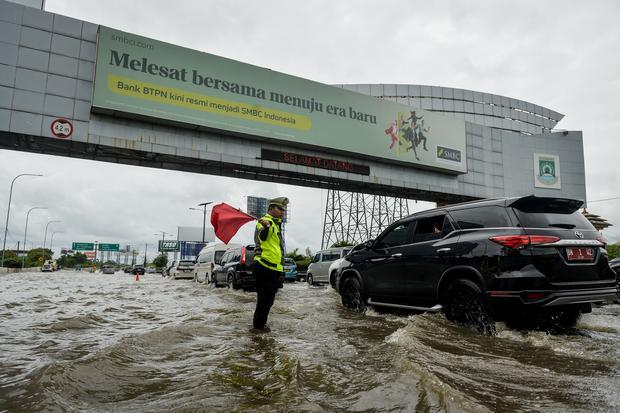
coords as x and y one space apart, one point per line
108 247
83 246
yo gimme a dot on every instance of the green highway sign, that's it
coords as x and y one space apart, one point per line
168 246
108 247
83 246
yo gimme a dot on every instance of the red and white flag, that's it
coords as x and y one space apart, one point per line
227 220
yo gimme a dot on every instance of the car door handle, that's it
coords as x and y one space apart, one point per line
443 250
378 259
397 255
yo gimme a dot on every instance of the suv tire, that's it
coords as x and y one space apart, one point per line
309 279
332 279
352 296
464 303
232 282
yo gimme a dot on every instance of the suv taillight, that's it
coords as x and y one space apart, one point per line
521 241
601 238
242 255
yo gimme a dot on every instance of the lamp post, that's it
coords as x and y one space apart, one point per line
8 211
204 217
26 230
52 240
46 227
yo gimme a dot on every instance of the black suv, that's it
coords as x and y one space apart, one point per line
235 268
531 261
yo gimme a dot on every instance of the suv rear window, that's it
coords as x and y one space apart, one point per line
573 220
481 217
549 212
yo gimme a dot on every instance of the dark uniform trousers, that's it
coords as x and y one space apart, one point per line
267 284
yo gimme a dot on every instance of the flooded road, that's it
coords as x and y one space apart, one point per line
101 343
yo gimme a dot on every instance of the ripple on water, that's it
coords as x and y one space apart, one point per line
81 322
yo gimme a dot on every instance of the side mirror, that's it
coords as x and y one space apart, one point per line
369 243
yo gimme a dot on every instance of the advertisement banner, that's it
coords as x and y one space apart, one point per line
146 77
547 171
168 246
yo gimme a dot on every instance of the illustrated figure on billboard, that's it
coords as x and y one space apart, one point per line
392 132
409 133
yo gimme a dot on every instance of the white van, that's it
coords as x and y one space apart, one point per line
206 260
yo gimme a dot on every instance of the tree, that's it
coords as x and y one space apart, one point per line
343 243
613 250
37 256
11 260
160 261
309 252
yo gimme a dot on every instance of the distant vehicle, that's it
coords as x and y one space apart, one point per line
165 272
534 262
182 269
137 269
46 268
318 270
235 269
290 270
108 269
151 270
207 258
78 268
127 269
52 265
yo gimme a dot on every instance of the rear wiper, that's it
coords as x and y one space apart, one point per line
567 226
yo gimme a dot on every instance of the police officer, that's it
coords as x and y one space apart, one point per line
268 259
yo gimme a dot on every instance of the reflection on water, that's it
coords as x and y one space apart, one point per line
92 342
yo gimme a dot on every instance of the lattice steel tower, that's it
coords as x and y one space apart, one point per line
356 217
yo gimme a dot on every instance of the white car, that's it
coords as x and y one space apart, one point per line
319 269
182 269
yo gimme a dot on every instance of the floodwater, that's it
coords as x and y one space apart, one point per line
105 343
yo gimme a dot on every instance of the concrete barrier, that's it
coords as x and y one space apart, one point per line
4 270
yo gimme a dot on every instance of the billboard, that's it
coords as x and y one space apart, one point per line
168 246
195 233
257 207
146 77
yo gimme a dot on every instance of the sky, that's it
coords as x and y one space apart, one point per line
559 54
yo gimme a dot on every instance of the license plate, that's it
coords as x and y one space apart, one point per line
580 254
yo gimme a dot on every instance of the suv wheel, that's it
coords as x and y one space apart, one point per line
232 283
465 304
352 297
332 279
309 279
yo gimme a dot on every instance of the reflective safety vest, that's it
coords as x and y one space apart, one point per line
270 253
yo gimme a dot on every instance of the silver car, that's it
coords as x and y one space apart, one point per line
318 270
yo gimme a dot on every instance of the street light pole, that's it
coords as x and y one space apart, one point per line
8 211
46 227
163 237
26 230
52 240
204 217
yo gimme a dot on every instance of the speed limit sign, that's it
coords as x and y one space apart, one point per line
62 128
